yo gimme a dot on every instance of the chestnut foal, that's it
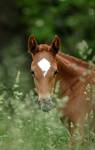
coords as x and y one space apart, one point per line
76 80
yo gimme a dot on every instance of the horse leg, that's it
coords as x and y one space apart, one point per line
77 136
93 125
76 130
93 122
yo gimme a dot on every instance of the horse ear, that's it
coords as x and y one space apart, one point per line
55 44
32 45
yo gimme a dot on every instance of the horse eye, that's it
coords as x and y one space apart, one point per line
32 72
55 72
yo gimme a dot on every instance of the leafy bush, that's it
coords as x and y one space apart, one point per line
73 20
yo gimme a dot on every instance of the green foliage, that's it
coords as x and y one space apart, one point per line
73 20
27 127
84 52
14 59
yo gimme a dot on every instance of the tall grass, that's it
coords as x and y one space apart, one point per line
24 127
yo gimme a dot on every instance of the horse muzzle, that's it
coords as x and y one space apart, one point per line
45 104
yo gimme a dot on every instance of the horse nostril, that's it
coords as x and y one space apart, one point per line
45 105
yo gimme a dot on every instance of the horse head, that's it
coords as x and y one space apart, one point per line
44 69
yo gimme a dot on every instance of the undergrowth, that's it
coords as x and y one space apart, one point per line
23 126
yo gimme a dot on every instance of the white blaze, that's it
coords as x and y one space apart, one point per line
44 65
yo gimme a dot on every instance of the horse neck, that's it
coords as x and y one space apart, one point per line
71 66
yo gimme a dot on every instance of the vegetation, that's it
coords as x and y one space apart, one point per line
23 126
73 21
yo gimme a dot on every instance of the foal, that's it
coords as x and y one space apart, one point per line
76 80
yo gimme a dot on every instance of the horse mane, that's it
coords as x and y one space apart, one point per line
71 64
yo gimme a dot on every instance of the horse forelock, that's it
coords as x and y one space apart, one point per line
44 47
